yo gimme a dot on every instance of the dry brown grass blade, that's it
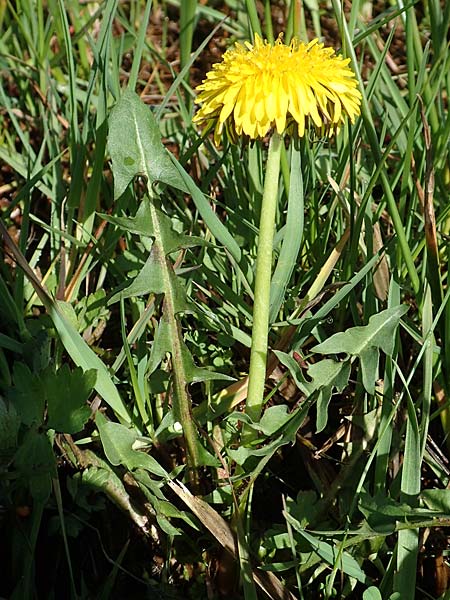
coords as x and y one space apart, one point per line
21 261
220 529
381 275
426 193
143 518
73 282
426 196
428 212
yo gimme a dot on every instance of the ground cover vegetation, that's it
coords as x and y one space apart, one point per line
129 467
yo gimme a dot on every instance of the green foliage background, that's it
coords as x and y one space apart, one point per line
129 246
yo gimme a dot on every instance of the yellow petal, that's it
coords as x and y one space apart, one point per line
261 86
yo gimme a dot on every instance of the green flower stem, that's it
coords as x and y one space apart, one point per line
260 331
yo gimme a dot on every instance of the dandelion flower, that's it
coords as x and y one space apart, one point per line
261 86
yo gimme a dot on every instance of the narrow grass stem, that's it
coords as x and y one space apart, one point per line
253 18
187 18
375 148
260 330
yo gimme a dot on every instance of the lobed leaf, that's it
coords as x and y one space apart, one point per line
67 394
143 223
143 153
36 464
327 375
28 395
156 276
118 440
378 334
366 341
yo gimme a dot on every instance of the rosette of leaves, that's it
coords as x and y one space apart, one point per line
142 155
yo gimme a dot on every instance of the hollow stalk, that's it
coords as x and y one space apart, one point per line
260 330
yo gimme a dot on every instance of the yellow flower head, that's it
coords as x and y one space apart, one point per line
260 86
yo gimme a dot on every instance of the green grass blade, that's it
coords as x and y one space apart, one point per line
138 51
252 14
384 446
292 238
428 359
182 74
375 147
73 112
214 224
188 9
134 379
408 539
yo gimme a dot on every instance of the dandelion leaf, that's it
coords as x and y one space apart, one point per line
274 419
383 513
327 375
136 148
372 593
366 342
118 440
158 277
163 344
324 377
379 333
151 222
101 479
196 374
369 358
294 369
167 526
